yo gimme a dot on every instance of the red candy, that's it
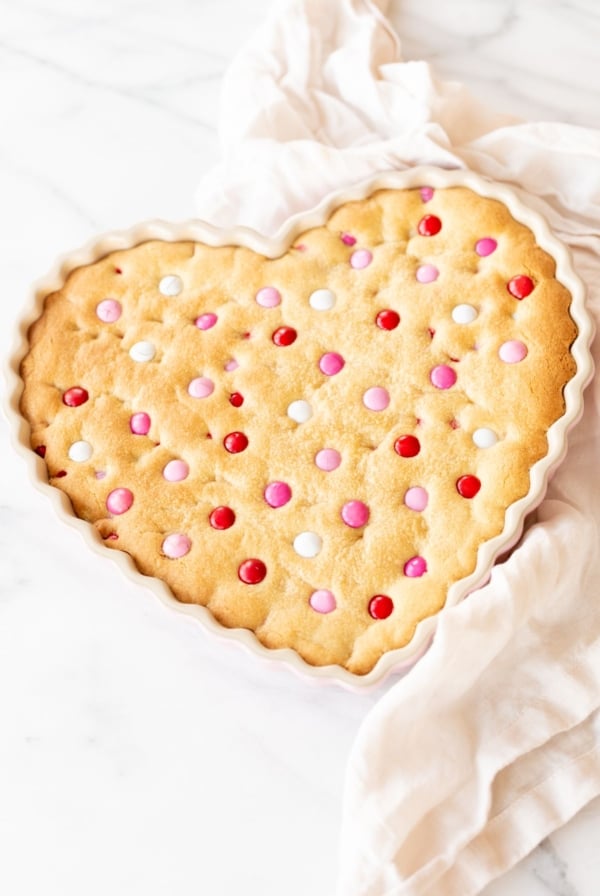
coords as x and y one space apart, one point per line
236 399
284 336
222 518
235 442
41 450
251 572
387 320
381 606
429 225
520 287
468 486
75 396
407 446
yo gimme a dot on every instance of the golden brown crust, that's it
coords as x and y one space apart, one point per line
71 346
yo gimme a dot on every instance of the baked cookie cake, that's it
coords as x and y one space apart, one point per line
314 446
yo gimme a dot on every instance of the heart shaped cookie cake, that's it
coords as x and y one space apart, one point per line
314 446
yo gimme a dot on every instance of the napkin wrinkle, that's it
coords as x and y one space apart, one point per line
512 834
512 155
493 739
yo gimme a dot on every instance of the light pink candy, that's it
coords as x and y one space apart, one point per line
427 273
119 501
277 494
322 601
206 321
416 498
268 297
426 193
415 567
176 545
201 387
331 363
355 514
139 423
443 377
176 471
232 364
328 459
362 258
486 246
109 310
512 351
376 398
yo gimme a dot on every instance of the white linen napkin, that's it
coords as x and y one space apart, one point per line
493 740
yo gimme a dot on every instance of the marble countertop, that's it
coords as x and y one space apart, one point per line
137 755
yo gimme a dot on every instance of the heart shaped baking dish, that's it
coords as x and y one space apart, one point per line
312 443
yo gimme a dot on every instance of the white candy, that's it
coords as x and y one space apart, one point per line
300 411
80 451
484 437
322 300
171 285
464 314
142 351
308 544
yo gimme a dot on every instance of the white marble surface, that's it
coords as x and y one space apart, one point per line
137 756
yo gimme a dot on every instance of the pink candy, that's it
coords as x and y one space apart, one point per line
201 387
268 297
416 498
513 351
176 545
331 363
109 310
277 494
119 501
427 273
426 193
328 459
362 258
355 514
139 423
415 567
322 601
176 471
443 377
486 246
206 321
376 398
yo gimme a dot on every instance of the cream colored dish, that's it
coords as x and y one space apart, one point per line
402 257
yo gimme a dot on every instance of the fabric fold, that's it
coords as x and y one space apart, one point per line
456 742
493 739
